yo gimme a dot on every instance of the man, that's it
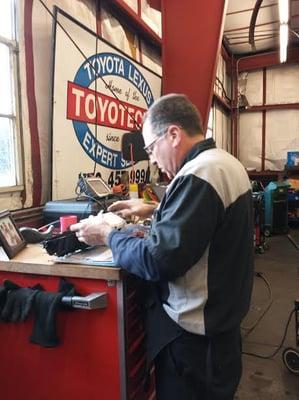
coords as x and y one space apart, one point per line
198 254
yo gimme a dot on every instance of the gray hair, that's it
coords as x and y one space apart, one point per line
174 109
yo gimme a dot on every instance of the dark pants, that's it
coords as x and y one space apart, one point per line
199 368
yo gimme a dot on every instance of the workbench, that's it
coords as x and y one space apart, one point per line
101 354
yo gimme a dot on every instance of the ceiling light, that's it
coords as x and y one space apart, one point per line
283 6
283 38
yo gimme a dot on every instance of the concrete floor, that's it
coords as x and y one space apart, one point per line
269 379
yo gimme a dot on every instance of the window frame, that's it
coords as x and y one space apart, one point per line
14 117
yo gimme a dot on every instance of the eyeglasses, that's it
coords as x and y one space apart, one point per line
150 147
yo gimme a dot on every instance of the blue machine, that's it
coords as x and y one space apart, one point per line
276 207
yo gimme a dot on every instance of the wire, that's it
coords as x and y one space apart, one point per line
254 325
295 33
278 347
50 223
101 202
223 89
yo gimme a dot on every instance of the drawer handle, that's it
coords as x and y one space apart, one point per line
91 302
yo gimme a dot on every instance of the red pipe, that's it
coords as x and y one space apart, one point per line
270 59
98 18
32 108
235 111
264 115
268 107
191 42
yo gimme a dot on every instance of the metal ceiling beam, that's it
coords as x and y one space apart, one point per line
191 40
246 27
270 59
232 43
250 9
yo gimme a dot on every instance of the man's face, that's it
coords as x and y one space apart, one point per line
159 149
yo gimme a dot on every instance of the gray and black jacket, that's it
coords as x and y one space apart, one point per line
200 247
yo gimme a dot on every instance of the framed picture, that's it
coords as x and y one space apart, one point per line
10 238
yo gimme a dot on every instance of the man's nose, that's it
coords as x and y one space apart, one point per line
152 159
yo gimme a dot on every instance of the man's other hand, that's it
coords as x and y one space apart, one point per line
133 207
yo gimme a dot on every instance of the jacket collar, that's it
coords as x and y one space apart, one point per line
198 148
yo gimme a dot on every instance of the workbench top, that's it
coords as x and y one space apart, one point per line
33 259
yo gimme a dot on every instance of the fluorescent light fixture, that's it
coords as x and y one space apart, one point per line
283 6
283 39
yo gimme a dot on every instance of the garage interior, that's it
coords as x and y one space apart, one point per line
238 62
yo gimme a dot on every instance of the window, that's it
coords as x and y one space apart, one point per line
210 128
9 127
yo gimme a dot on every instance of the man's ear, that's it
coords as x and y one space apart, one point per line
175 134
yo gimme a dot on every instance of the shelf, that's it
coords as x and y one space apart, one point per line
294 169
291 168
264 173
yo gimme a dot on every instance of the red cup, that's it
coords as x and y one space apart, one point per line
66 221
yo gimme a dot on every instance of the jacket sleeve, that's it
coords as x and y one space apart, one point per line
132 254
180 234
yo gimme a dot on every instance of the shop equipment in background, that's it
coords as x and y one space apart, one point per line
260 243
276 208
293 206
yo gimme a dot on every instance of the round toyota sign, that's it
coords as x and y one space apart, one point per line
86 105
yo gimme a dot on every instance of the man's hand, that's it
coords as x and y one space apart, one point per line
92 231
133 207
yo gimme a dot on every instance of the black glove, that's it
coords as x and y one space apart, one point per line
3 294
66 288
18 302
45 308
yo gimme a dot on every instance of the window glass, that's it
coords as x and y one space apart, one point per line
7 162
10 171
151 17
6 19
133 4
5 81
210 128
211 118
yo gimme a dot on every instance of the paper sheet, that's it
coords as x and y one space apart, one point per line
99 255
